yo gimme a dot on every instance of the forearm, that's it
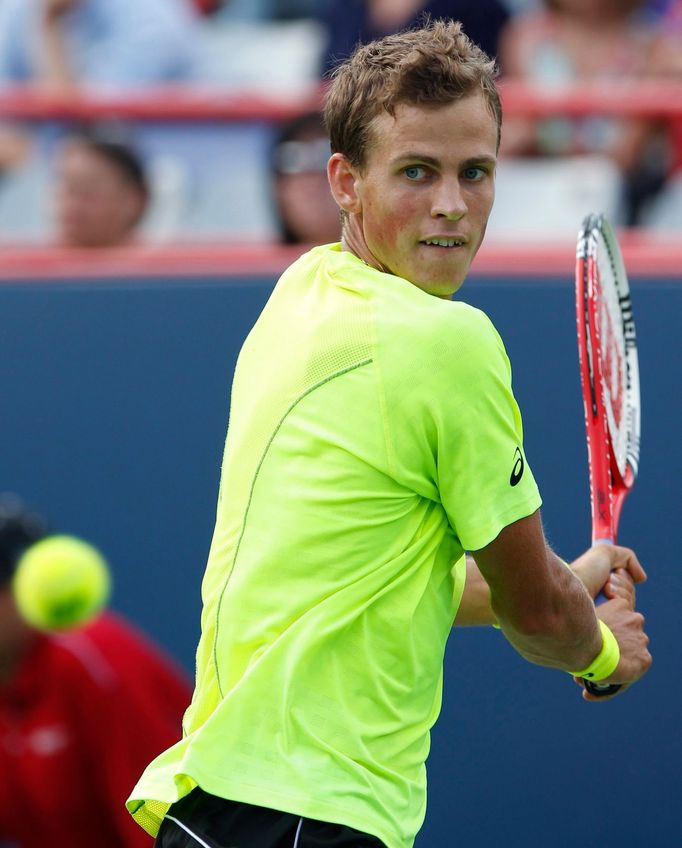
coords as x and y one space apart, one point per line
541 606
54 67
553 648
563 632
474 608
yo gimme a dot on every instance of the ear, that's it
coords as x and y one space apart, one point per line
343 179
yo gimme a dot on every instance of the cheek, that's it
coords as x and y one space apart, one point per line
389 223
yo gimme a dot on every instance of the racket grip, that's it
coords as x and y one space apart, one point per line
601 690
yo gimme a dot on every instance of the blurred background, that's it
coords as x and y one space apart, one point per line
162 161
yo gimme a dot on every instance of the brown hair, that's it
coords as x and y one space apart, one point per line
432 65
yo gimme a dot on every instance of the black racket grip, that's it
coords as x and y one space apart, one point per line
601 690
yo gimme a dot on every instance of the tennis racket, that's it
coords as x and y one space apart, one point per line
609 374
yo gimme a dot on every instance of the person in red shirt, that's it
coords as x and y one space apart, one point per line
81 713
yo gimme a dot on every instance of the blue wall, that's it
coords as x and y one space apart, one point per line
114 406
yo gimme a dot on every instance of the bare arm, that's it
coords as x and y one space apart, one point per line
609 568
546 612
542 608
55 67
474 608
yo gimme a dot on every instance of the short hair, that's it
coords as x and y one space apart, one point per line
111 144
20 527
432 65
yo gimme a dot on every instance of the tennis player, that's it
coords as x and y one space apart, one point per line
373 439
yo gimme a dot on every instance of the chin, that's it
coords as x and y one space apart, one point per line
440 288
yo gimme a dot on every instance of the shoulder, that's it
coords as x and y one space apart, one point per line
111 653
125 646
435 326
438 353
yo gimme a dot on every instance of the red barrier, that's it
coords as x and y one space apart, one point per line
645 256
651 99
157 104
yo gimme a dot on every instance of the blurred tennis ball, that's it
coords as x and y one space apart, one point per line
61 582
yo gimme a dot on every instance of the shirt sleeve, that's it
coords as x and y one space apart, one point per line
484 479
140 43
14 19
460 436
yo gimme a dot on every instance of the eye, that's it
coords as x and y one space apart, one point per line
415 172
474 174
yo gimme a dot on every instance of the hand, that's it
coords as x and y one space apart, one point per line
612 569
54 10
628 628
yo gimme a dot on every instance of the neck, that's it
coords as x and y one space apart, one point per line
353 241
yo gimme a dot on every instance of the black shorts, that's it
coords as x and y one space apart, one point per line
201 820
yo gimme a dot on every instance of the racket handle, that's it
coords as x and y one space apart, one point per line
601 690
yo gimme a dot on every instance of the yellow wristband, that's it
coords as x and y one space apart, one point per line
604 664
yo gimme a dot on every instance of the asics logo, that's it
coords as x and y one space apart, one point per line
517 470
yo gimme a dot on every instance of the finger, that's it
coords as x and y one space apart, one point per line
617 557
620 585
632 566
624 574
616 580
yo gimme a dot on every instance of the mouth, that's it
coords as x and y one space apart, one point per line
446 243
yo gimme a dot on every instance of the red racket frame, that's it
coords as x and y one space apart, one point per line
608 487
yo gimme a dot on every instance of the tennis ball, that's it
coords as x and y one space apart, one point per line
61 582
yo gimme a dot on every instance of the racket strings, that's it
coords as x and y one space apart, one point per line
612 352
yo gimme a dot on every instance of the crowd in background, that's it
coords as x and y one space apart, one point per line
80 186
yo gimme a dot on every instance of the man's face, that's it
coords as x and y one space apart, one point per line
426 191
95 205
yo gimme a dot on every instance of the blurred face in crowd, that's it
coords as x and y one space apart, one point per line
596 10
96 203
307 211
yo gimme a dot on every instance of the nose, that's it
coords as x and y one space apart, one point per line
448 200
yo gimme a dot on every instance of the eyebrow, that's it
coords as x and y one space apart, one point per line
483 159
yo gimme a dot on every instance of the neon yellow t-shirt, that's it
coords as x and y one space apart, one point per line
373 438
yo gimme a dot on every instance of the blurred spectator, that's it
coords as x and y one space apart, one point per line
100 191
665 211
81 713
306 211
63 44
208 7
353 21
579 40
277 10
66 43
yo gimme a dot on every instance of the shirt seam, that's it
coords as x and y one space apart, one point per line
305 394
